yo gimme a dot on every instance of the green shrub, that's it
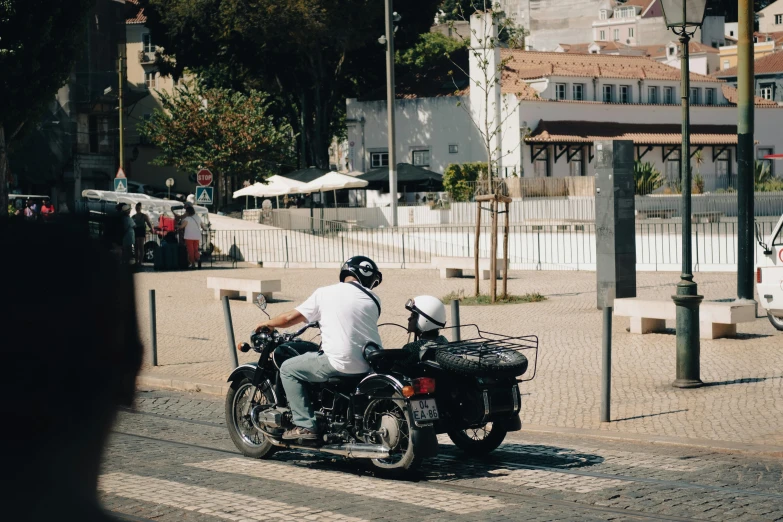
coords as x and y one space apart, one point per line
458 179
646 177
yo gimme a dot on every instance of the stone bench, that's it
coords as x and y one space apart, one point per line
250 288
706 217
716 319
453 266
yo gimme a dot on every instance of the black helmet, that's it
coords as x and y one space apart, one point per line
362 268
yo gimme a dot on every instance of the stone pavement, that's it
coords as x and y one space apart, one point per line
170 459
743 402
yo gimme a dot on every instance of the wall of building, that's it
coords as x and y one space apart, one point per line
766 18
551 22
432 123
713 31
653 31
731 29
728 53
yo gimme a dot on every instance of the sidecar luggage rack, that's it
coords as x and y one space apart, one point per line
486 344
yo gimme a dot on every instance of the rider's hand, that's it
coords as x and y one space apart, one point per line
263 326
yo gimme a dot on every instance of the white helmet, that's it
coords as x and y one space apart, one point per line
430 311
191 198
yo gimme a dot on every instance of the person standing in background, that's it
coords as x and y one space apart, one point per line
47 210
192 226
140 223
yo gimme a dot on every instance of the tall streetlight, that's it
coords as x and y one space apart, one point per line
391 18
684 17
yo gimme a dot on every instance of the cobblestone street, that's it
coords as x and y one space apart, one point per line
170 459
742 402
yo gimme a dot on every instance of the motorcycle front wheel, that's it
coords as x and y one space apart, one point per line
240 399
390 419
479 441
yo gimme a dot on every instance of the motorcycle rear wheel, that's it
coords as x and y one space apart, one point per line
247 439
479 441
393 419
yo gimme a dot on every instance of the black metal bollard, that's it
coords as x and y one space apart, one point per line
153 329
455 324
232 349
606 366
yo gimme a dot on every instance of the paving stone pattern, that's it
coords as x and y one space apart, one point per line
742 403
159 466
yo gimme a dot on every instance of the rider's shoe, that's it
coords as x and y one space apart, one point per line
300 433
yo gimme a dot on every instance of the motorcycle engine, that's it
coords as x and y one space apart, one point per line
270 418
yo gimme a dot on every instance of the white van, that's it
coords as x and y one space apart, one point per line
769 274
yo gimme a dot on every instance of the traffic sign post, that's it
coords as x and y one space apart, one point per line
204 178
204 195
120 185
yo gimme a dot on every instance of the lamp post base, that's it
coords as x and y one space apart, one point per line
687 302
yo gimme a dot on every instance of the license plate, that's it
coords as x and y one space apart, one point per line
424 410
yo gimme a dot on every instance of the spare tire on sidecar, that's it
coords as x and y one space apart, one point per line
481 358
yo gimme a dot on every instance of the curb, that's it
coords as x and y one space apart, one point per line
710 444
177 383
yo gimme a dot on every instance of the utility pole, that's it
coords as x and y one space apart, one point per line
745 152
390 107
122 133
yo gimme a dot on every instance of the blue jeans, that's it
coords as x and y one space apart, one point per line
295 372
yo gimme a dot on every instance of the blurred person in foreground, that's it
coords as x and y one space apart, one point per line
65 369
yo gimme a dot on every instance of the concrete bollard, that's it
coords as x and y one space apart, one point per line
455 324
232 349
153 329
606 366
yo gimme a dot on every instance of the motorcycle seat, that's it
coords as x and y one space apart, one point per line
346 384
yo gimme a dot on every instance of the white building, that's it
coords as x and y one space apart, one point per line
771 18
144 78
554 106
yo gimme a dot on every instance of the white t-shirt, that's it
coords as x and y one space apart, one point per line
192 227
348 318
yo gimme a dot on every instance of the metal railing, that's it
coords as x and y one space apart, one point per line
531 247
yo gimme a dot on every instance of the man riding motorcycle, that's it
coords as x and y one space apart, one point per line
348 314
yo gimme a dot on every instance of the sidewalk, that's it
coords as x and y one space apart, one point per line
742 403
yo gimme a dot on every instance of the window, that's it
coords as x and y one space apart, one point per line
453 148
608 94
695 96
763 151
668 95
147 45
560 91
149 79
726 64
379 159
603 14
578 92
652 94
673 166
576 165
731 33
616 33
767 91
709 96
625 94
602 36
630 32
421 158
672 50
93 131
541 164
723 165
778 19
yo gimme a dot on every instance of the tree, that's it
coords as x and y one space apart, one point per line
231 133
312 54
459 179
39 43
646 177
430 51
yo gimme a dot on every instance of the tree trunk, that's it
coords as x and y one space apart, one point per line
3 173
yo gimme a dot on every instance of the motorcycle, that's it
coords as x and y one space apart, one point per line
386 418
467 389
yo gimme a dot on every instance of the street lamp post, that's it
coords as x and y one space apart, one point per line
388 39
684 17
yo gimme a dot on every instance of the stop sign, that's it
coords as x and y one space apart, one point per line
204 177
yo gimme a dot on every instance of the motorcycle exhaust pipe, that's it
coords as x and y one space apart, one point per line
351 450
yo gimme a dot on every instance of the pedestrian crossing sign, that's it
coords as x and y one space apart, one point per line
204 195
120 185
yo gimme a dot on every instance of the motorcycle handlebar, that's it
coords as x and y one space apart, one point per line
304 329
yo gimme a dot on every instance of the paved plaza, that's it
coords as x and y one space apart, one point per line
742 402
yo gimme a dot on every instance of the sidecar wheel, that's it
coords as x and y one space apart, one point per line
479 441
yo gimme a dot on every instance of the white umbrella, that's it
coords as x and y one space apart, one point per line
333 181
275 186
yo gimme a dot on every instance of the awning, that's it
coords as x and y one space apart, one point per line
411 177
572 132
